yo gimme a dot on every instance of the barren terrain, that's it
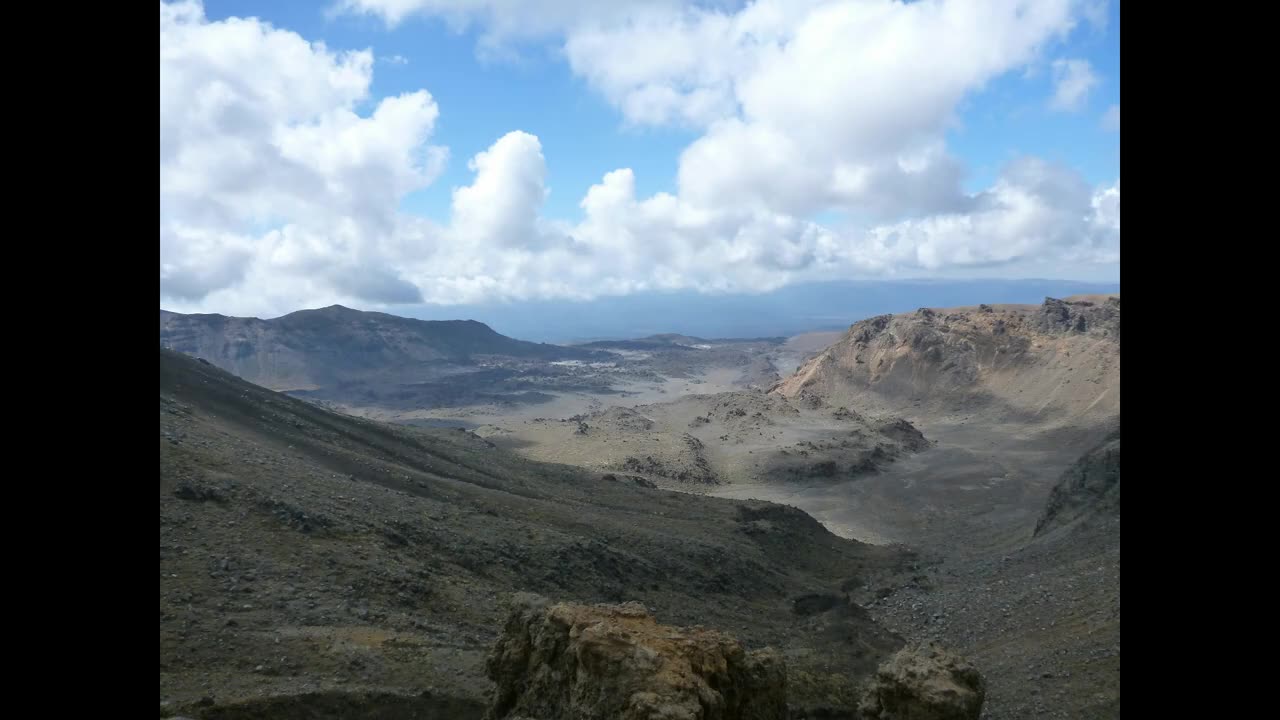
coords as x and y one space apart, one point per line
938 434
318 565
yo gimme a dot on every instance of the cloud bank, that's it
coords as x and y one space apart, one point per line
277 193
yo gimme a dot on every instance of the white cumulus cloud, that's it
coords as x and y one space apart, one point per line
811 105
1072 81
266 167
279 190
501 206
1111 118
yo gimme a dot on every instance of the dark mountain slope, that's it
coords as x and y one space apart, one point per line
1089 489
309 349
331 562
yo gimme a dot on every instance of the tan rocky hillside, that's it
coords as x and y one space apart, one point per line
735 437
1058 362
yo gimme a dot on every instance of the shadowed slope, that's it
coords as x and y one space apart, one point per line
307 552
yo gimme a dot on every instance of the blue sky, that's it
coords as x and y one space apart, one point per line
583 137
728 148
1010 117
481 100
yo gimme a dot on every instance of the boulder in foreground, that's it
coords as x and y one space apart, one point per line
561 661
924 682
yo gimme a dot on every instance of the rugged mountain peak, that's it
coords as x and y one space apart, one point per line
1048 362
864 331
325 347
1080 316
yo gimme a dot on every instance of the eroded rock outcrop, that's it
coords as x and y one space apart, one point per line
1057 363
924 682
1084 316
1090 487
561 661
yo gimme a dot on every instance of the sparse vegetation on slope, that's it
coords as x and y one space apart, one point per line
314 558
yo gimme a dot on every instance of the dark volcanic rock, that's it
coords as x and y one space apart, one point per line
696 469
1062 316
633 479
1092 485
905 433
815 603
615 661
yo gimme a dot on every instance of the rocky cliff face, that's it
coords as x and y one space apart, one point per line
1061 317
1059 361
583 662
1091 487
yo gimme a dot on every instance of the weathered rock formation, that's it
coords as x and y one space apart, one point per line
1091 487
924 682
565 661
1058 362
562 661
1080 317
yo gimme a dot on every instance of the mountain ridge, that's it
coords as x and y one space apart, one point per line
313 348
1009 361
